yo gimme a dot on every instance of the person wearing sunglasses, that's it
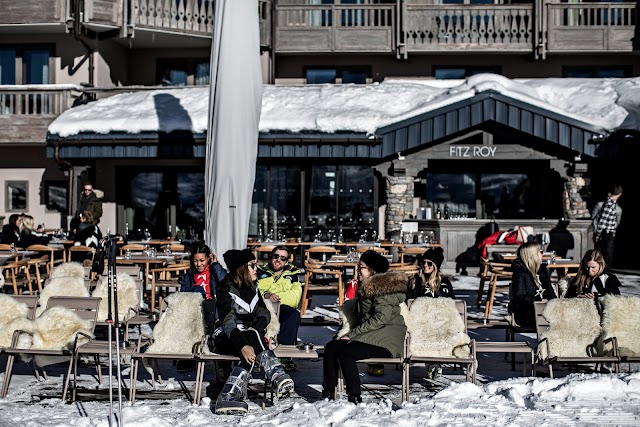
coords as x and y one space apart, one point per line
280 281
530 282
372 326
429 282
244 318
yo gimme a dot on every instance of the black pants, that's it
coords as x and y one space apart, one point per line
255 339
605 246
289 324
343 354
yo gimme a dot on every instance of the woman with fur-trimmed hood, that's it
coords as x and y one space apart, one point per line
377 331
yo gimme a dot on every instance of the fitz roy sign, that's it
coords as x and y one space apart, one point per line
470 151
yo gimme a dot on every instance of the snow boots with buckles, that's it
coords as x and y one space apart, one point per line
274 372
231 398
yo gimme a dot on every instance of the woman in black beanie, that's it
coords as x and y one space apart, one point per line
429 282
244 318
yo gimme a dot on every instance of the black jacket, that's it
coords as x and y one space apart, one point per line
416 290
524 292
28 238
240 309
605 284
217 272
9 234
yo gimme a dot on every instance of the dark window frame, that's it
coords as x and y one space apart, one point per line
188 64
594 69
340 69
19 67
469 70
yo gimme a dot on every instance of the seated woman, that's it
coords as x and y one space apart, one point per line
429 282
244 319
592 274
28 234
379 329
530 282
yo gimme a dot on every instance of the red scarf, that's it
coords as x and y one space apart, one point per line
203 280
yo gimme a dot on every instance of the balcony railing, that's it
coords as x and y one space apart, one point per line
335 28
194 16
17 101
591 26
430 28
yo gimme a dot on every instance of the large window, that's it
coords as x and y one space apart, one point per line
335 199
183 72
25 65
444 72
597 71
16 196
344 75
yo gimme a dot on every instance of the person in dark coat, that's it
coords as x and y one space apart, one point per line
11 230
29 235
530 282
203 277
379 329
244 318
429 282
593 279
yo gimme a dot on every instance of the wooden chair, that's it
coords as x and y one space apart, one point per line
412 251
50 252
133 247
496 272
86 308
376 249
260 251
17 273
409 269
544 354
470 362
80 249
177 247
7 247
316 280
318 254
168 278
38 264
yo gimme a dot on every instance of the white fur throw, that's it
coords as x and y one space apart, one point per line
437 329
182 325
620 319
574 326
56 329
128 296
62 287
68 269
273 328
14 316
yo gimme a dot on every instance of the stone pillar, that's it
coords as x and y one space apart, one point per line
399 204
574 206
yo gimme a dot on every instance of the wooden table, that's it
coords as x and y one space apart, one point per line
147 261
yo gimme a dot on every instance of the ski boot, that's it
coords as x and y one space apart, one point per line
231 400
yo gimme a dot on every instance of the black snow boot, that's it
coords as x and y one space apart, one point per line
274 372
231 398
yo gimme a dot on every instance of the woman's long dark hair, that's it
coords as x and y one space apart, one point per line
242 276
198 248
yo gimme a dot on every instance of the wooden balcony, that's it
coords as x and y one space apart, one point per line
33 11
335 28
25 113
434 28
596 27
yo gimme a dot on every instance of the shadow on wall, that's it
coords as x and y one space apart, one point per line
175 138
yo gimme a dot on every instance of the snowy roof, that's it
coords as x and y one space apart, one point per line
607 103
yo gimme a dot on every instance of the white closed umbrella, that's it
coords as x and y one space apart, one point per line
235 102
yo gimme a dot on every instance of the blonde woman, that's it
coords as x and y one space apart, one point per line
592 275
530 282
28 234
429 281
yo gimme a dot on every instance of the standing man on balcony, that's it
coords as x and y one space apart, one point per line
606 219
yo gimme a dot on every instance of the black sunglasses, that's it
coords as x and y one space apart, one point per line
428 263
282 257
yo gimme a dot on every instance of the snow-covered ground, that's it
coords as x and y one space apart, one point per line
501 397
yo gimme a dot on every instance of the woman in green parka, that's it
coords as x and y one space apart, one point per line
378 330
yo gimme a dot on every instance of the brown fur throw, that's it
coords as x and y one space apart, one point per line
13 316
182 325
66 286
620 319
574 326
437 329
68 269
128 296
